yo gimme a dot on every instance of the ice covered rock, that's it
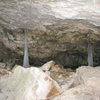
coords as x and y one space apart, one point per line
28 84
87 87
48 65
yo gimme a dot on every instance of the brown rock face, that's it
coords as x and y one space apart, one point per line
64 42
54 91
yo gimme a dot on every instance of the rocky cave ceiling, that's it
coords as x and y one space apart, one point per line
36 13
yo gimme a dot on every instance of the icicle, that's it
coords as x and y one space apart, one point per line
26 56
90 55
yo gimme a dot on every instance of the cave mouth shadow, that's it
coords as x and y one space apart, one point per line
68 59
72 61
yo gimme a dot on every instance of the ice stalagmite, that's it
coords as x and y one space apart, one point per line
26 56
90 55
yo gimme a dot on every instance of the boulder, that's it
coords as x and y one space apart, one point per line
28 84
48 65
85 73
4 72
87 85
2 65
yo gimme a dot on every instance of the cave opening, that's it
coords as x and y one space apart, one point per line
68 59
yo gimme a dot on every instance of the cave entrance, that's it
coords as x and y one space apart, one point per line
68 59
